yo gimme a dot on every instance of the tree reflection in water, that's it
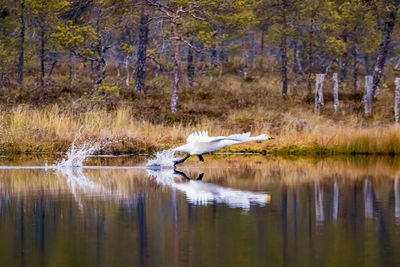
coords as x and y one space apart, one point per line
319 214
80 185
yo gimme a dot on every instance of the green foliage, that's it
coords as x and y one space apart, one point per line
162 83
75 38
129 49
336 46
346 24
108 89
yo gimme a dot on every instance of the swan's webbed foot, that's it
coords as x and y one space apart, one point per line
181 160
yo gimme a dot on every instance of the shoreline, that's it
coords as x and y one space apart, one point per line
275 152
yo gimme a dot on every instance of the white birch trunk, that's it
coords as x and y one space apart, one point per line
128 78
368 94
335 92
397 100
319 93
177 61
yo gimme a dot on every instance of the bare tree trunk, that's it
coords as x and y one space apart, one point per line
384 46
101 70
22 38
177 60
368 95
190 64
366 65
335 92
294 66
319 93
311 53
223 53
128 78
201 56
143 40
91 70
284 65
248 54
101 65
397 100
262 47
53 64
297 67
355 70
343 70
42 51
214 58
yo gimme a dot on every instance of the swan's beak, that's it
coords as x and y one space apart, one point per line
270 138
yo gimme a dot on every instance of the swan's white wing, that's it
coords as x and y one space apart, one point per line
199 137
202 137
235 138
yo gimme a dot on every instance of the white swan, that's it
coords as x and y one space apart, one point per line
200 143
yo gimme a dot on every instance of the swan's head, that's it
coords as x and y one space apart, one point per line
269 137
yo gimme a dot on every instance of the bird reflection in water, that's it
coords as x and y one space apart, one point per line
200 193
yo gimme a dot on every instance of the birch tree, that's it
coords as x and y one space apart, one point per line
335 92
397 100
319 93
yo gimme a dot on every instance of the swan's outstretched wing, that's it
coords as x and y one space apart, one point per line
203 137
199 137
235 138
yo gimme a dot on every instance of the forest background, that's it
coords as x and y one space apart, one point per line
319 75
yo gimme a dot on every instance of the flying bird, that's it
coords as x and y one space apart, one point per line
199 143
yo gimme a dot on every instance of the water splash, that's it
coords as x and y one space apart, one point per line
202 194
163 159
77 154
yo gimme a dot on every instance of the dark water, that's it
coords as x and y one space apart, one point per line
245 211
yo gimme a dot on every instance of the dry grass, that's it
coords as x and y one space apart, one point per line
222 106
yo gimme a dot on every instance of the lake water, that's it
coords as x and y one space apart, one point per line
243 211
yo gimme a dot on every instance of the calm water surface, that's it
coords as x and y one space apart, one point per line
243 211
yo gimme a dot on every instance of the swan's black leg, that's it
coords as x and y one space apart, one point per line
201 158
181 160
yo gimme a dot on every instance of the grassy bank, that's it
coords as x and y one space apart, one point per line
143 123
50 130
